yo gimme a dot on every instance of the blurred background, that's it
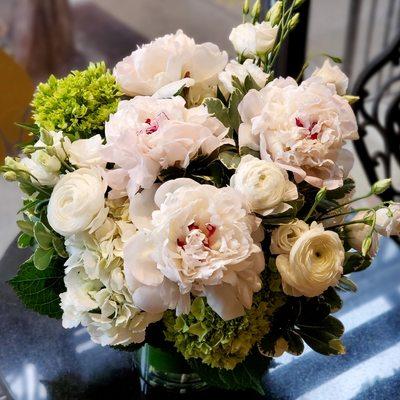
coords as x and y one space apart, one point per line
54 36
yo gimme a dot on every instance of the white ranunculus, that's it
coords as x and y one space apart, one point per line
303 128
314 263
169 59
86 152
251 40
284 237
110 316
202 241
241 71
332 74
388 220
77 202
265 186
147 135
356 233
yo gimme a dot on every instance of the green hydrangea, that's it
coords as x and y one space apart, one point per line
218 343
78 104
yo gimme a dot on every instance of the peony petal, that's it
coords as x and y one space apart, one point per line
171 186
148 298
172 88
141 207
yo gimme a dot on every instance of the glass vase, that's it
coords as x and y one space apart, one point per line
165 370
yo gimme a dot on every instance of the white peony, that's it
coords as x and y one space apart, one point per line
77 202
301 128
170 59
86 152
284 237
356 233
201 240
332 74
314 263
147 135
251 40
265 186
241 71
388 220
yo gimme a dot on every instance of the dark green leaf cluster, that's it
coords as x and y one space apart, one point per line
78 104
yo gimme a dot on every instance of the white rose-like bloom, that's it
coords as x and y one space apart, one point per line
38 166
314 263
303 128
241 71
77 202
356 233
332 74
147 135
200 240
251 40
265 186
284 237
170 59
388 220
86 152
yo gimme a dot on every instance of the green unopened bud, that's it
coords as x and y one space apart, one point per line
298 3
10 176
256 10
29 149
320 195
381 186
294 21
11 162
351 99
51 151
246 7
51 163
274 14
366 245
46 138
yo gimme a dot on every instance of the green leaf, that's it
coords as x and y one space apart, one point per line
30 128
42 258
330 324
246 375
43 236
295 343
347 284
230 159
335 59
247 150
217 108
58 245
339 193
24 241
40 290
322 342
333 299
26 226
234 117
355 262
250 83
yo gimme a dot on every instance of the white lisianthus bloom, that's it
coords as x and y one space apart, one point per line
356 233
332 74
57 140
201 241
110 316
251 40
170 59
77 202
284 237
303 128
39 171
265 186
147 135
314 263
86 153
241 71
388 220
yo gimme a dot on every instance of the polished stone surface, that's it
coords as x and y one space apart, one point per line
39 360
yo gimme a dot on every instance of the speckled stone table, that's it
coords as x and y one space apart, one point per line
39 360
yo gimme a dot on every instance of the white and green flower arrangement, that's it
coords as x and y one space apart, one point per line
199 205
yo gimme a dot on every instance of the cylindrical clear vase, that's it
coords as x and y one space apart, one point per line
166 370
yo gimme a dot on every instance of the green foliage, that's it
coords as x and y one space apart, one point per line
39 290
78 104
217 109
355 262
234 117
246 375
339 193
218 343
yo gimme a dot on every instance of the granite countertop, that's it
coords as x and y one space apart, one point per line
40 360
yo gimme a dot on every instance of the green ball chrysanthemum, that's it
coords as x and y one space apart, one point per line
218 343
78 104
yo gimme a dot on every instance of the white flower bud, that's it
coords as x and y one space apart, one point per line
381 186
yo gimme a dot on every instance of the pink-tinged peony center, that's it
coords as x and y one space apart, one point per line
208 230
153 126
300 124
